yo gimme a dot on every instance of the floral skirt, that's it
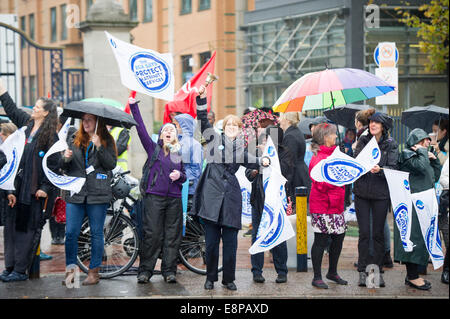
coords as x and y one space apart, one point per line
328 223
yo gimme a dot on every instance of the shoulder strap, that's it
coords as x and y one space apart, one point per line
154 155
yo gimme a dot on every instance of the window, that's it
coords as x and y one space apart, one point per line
186 63
186 6
204 57
204 4
63 22
88 4
31 25
33 92
132 9
23 27
53 24
148 10
24 91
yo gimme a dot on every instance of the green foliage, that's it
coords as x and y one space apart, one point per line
433 33
156 126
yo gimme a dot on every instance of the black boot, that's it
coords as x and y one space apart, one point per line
387 260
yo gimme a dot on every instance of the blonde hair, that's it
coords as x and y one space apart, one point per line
292 117
8 128
233 118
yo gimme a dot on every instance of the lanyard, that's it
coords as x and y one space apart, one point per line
87 153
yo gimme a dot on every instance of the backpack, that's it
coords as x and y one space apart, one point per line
146 169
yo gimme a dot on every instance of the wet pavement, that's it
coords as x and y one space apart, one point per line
190 285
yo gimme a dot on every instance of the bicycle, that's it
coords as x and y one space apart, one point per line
122 235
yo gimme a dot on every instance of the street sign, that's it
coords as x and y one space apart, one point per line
390 75
386 54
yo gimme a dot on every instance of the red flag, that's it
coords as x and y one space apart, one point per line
184 99
127 107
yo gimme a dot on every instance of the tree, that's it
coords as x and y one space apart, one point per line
432 32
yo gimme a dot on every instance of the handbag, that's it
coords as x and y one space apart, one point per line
59 210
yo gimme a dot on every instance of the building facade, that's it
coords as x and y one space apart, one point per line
288 38
262 45
190 29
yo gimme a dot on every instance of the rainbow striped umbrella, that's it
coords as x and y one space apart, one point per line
329 88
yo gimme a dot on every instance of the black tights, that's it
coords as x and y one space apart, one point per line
318 248
412 271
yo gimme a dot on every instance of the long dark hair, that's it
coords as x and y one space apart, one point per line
48 126
82 138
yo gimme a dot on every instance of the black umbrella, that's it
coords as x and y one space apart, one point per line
423 116
111 115
345 114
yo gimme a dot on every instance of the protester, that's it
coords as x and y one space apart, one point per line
443 217
191 150
7 203
257 199
372 195
362 124
424 170
348 141
441 146
92 154
122 138
211 117
33 190
162 219
326 207
218 198
58 230
295 141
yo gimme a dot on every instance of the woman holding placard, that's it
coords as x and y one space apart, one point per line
326 206
372 196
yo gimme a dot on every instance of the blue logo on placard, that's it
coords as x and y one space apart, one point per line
375 153
8 171
341 171
271 151
273 235
430 240
420 204
401 218
406 183
150 71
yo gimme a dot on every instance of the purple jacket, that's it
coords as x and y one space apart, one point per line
163 166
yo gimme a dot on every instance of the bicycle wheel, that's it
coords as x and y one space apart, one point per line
120 250
192 250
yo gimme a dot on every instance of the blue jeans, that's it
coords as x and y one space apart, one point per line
74 218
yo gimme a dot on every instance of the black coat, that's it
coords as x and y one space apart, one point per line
257 196
97 188
294 141
218 195
31 164
374 186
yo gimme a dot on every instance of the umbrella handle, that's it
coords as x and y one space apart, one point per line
45 205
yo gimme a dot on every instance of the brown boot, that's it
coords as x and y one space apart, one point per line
93 278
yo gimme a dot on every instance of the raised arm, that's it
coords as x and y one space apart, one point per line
18 117
145 138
